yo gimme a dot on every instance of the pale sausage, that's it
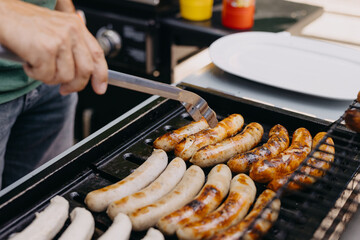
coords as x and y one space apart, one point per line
184 192
98 200
161 186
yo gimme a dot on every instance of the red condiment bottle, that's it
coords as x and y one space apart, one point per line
238 14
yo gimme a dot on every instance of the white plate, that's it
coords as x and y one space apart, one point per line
293 63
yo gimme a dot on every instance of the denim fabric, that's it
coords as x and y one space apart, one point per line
33 129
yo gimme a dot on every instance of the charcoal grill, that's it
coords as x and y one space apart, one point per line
115 151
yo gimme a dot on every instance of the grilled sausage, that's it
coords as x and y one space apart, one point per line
186 190
315 168
352 119
82 225
261 226
278 141
98 200
241 196
211 195
225 128
47 223
161 186
286 162
120 229
220 152
153 234
168 141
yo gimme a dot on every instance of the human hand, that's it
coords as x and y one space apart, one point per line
57 47
65 6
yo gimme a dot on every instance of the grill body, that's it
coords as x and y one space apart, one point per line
115 151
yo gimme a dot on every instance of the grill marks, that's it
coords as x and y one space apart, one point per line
287 161
242 194
278 142
316 166
225 128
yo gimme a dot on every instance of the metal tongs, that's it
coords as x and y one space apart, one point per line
196 106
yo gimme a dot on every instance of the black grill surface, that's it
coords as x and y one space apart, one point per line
116 151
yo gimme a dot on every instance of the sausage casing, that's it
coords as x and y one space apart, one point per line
278 141
286 162
211 195
82 225
119 229
168 141
161 186
225 128
153 234
241 196
47 223
220 152
314 168
98 200
184 192
261 226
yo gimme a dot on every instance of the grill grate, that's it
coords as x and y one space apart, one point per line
331 200
319 211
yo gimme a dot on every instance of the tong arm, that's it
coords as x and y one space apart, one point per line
194 104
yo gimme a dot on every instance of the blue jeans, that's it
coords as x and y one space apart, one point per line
33 129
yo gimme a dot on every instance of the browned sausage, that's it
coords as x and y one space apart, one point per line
262 224
211 195
241 196
286 162
278 142
220 152
225 128
314 169
352 119
168 141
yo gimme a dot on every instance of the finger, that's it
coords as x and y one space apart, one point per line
65 65
42 67
99 78
84 66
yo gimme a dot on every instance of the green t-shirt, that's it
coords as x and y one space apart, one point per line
13 80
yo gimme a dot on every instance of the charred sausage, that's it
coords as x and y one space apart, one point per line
286 162
315 167
168 141
220 152
263 222
241 196
278 141
225 128
211 195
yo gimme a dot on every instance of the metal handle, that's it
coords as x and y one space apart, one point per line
196 106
